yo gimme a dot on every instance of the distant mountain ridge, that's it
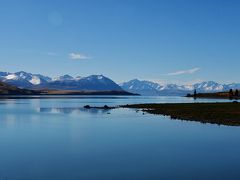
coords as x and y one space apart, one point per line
26 80
66 82
93 82
23 79
151 88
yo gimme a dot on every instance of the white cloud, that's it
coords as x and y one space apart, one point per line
188 71
78 56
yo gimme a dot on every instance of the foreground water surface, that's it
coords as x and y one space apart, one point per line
56 138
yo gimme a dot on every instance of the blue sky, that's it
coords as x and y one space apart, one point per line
167 41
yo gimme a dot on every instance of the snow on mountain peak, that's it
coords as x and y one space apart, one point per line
78 77
100 77
35 80
63 78
11 77
96 77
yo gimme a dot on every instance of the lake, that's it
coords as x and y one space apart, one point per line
56 138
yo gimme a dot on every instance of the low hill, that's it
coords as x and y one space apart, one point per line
6 89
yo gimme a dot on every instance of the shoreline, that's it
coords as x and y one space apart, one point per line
218 95
221 113
48 93
227 113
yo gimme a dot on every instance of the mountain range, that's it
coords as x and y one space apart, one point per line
101 83
151 88
36 81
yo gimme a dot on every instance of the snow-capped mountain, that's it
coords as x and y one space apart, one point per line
34 79
66 82
23 79
99 82
151 88
142 87
233 86
65 77
93 82
209 86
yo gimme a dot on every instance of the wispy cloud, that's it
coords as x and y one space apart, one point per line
38 52
78 56
188 71
52 54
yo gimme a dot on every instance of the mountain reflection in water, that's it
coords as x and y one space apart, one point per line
69 110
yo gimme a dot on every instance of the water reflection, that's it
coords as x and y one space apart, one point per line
67 110
12 101
59 139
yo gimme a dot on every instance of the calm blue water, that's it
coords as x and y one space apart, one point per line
56 139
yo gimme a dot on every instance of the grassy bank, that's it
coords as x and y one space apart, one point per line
215 113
